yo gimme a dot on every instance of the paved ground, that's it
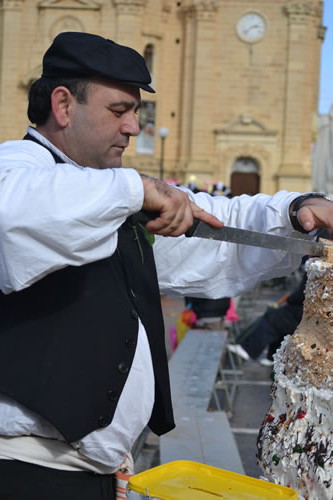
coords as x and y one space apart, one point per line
252 396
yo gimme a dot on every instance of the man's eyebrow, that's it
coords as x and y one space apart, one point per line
126 105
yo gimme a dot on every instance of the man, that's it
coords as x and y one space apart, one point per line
83 367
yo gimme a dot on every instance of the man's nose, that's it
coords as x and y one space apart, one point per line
131 125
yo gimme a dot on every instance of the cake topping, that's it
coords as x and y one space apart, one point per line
295 448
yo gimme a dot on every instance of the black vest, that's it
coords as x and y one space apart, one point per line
68 341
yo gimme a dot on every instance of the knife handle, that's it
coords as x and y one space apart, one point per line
144 216
192 229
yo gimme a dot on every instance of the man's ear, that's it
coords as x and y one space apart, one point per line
61 103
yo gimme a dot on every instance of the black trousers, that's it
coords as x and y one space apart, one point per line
23 481
270 329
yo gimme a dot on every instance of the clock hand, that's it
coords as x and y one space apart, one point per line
251 27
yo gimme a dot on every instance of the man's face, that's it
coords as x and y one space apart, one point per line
99 130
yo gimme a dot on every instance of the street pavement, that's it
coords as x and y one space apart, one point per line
252 396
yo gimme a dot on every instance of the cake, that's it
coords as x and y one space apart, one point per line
295 442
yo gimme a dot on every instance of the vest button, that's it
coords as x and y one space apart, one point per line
123 368
112 395
103 421
134 314
130 342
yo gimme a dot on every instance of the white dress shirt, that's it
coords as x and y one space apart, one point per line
57 214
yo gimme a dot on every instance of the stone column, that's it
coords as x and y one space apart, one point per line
10 15
198 90
128 21
301 90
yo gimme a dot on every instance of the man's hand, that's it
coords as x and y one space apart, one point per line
316 213
175 208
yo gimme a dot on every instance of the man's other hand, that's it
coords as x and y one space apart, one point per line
315 213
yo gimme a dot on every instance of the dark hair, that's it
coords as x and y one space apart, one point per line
39 96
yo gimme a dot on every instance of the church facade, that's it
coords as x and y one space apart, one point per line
236 82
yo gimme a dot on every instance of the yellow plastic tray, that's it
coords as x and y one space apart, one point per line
186 480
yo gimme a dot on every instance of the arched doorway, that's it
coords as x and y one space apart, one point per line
245 178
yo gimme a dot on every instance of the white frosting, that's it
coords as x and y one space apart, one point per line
316 268
295 444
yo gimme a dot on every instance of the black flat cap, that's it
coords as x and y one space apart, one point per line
84 55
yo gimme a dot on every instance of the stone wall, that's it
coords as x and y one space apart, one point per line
227 89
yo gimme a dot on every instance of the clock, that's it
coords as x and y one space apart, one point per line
251 27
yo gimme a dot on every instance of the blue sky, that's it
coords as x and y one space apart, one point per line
326 72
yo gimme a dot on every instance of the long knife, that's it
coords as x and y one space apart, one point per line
299 245
256 239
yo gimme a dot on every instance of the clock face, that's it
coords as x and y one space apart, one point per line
251 27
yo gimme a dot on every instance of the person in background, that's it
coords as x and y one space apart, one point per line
220 189
268 331
210 313
83 365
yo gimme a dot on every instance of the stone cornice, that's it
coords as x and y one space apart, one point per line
321 32
132 7
129 3
221 131
245 125
153 34
300 11
10 4
201 5
69 4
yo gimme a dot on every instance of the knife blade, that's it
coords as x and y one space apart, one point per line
253 238
199 229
